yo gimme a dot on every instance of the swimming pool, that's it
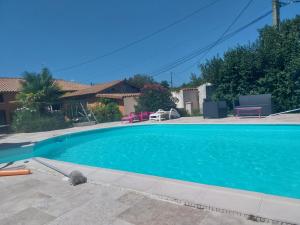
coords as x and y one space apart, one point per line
261 158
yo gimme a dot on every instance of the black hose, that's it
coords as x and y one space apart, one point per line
14 168
7 164
51 167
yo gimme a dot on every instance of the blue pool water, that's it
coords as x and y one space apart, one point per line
262 158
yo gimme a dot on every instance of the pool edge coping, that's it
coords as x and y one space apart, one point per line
45 135
286 210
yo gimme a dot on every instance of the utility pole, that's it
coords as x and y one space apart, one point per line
276 13
171 80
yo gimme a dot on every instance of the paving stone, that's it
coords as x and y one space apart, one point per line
131 198
21 202
154 212
96 212
272 207
23 184
29 216
121 222
59 206
179 191
61 189
56 202
16 183
223 219
245 203
136 182
104 176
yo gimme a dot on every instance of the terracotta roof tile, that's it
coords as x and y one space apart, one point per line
10 84
92 89
70 85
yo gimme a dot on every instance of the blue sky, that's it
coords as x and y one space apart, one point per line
61 33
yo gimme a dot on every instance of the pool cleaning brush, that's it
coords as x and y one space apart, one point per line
75 177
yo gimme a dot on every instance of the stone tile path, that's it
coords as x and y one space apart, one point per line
45 197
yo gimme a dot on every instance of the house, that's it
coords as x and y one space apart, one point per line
188 99
191 99
10 87
120 91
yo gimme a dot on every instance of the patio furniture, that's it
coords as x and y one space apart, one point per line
249 101
214 109
248 110
131 118
162 115
159 115
144 116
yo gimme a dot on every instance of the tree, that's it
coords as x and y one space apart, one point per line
194 81
154 97
38 90
269 65
165 84
140 80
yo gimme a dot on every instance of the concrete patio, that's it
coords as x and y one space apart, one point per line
45 197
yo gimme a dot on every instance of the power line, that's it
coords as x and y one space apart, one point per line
160 30
194 63
155 54
202 50
228 28
222 35
288 2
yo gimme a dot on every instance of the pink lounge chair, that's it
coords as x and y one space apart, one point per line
131 118
144 116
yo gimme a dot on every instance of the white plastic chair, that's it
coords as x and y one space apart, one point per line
158 116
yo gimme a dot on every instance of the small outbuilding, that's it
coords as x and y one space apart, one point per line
191 99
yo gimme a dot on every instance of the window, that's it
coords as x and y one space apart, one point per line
1 98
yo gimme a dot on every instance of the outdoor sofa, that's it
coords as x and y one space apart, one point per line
263 101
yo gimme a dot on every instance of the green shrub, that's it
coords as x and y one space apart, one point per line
107 112
30 120
154 97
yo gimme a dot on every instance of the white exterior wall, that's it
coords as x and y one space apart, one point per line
202 95
179 96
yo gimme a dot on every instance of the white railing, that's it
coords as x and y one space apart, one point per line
276 114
